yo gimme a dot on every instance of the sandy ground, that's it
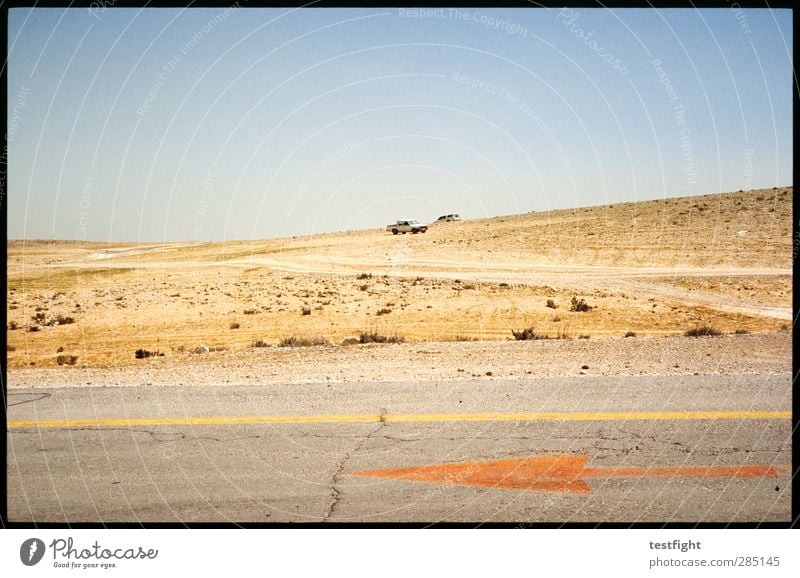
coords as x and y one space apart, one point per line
651 270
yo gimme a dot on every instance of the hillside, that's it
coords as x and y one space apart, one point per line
649 268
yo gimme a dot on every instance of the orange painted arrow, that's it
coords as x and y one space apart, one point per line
557 473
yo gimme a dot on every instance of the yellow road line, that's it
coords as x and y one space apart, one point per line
398 417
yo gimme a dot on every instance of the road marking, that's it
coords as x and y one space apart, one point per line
563 473
397 417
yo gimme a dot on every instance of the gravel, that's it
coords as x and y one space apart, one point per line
434 362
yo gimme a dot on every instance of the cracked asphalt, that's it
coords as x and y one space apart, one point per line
302 471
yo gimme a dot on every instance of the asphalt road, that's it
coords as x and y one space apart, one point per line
658 448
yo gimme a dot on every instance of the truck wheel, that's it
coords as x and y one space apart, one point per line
414 231
394 231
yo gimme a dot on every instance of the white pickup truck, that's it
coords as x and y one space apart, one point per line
406 227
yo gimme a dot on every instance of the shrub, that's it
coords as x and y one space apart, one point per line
12 325
579 305
704 331
303 342
306 310
363 287
373 337
630 334
143 353
260 343
66 359
234 325
10 347
33 328
364 276
527 334
583 336
384 311
551 304
249 311
741 332
41 319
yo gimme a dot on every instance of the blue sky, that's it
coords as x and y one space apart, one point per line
236 123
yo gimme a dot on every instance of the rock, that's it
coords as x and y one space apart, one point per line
201 349
350 341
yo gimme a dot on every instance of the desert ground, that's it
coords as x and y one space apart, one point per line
298 307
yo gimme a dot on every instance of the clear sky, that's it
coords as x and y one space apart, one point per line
235 123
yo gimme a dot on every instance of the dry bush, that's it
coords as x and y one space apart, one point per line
630 334
66 359
374 337
143 354
234 325
527 334
704 331
41 319
303 342
306 310
551 304
384 311
363 276
260 343
579 305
